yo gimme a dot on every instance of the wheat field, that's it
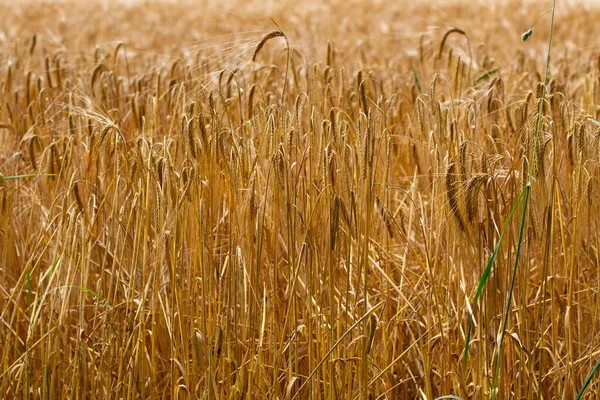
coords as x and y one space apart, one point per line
314 200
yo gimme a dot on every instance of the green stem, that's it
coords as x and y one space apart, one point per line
510 292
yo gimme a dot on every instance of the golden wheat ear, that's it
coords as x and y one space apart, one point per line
264 40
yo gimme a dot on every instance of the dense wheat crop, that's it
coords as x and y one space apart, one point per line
280 200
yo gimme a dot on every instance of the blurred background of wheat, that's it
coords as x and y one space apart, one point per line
193 224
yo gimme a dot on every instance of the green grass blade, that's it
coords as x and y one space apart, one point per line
510 291
417 81
89 291
486 74
486 274
8 178
7 340
96 295
588 380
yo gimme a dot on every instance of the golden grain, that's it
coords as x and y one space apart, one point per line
314 226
